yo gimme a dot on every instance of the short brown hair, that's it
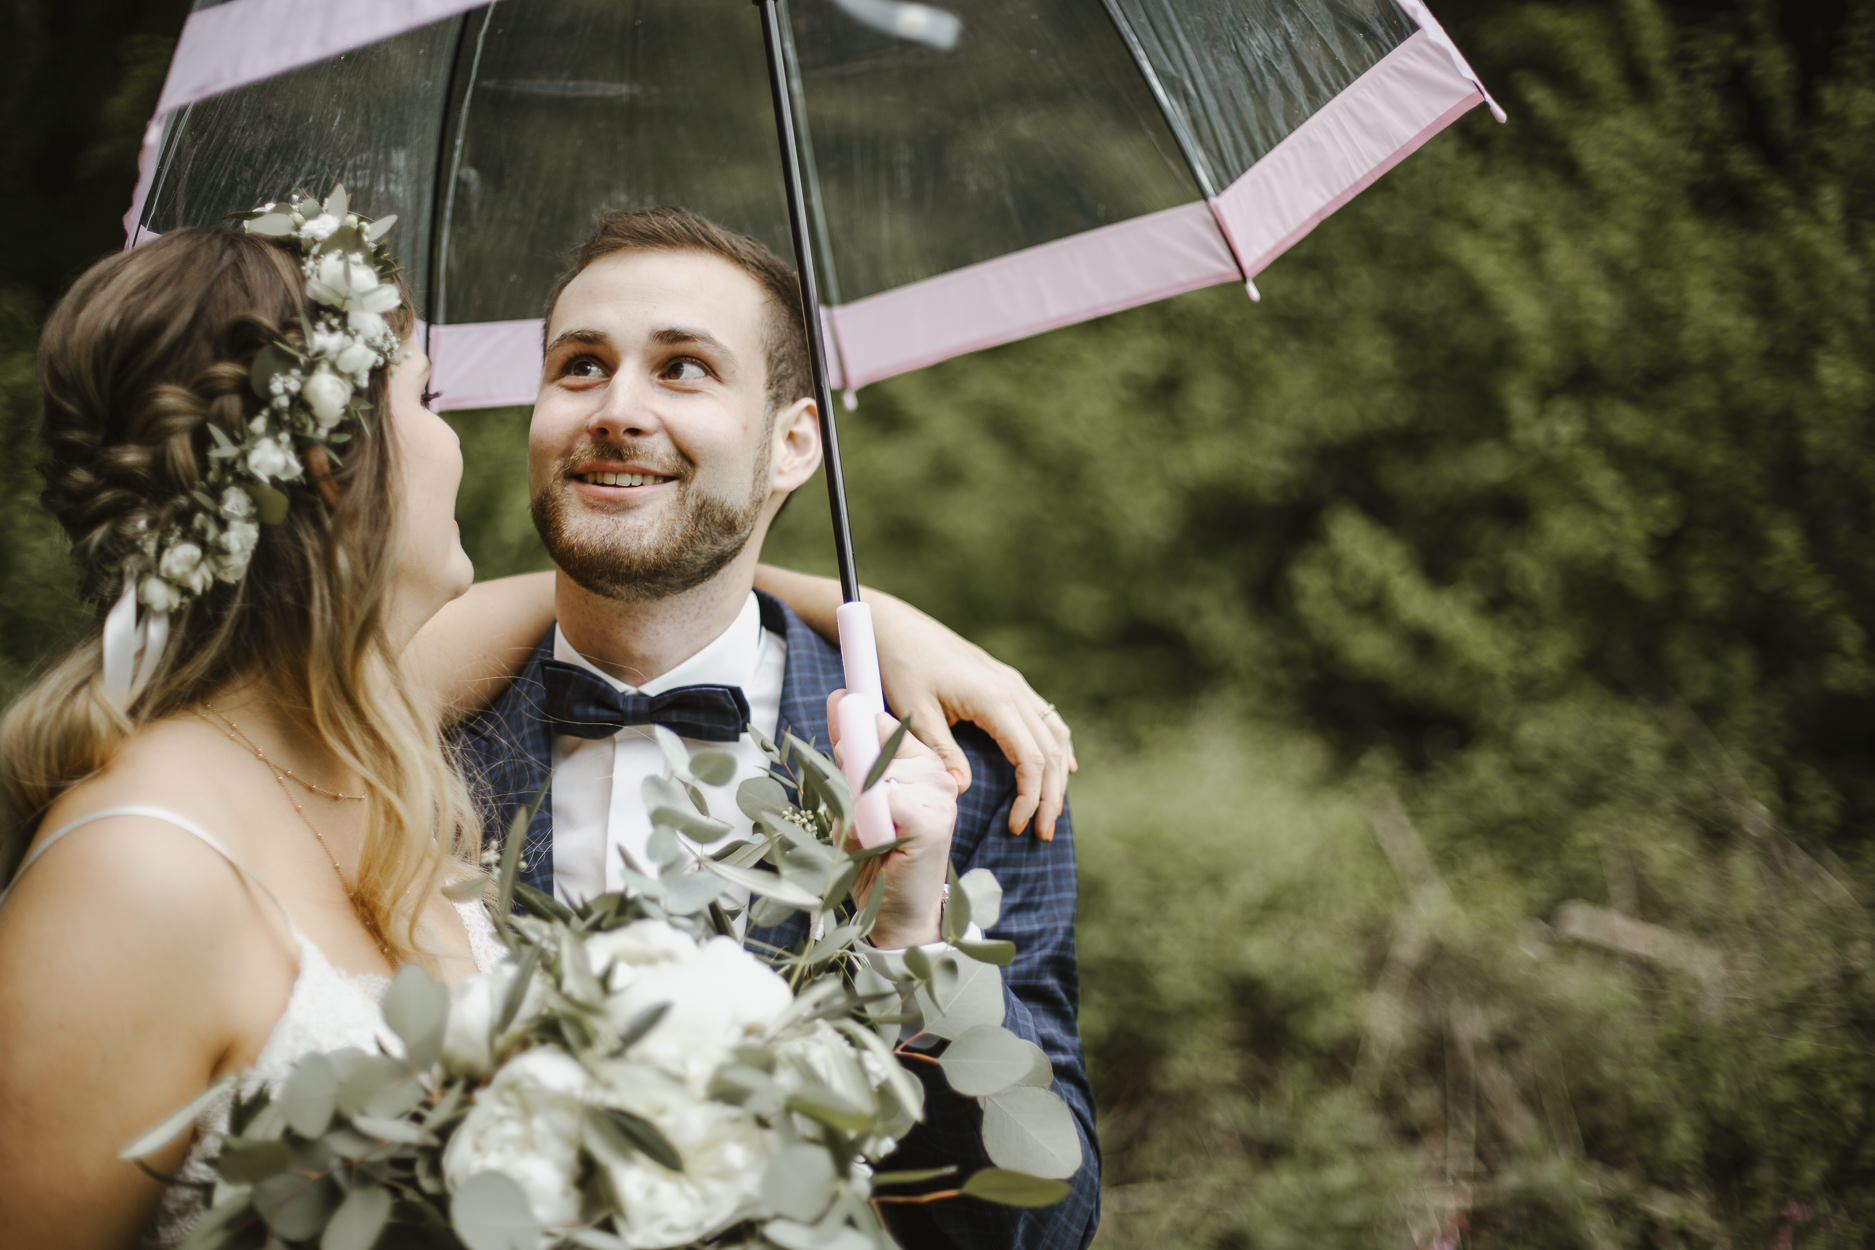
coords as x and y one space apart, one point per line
672 229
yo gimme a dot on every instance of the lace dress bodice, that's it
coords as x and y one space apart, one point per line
327 1009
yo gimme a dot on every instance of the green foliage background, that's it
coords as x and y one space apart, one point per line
1467 646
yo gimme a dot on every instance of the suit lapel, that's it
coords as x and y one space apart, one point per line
522 725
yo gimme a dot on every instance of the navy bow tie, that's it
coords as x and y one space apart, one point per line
586 705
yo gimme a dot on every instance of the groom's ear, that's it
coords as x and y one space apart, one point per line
794 445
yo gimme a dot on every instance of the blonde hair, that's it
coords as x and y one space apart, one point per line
148 350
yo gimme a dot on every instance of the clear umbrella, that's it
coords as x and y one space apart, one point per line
961 176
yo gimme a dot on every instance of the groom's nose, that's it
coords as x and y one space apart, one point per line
627 410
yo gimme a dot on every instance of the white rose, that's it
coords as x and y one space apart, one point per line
355 359
369 326
182 565
327 343
236 504
526 1125
273 458
717 993
325 284
158 595
327 394
725 1152
240 538
320 228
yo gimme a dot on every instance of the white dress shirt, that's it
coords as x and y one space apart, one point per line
598 807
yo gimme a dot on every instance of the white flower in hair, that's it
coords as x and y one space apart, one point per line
327 394
272 459
320 228
356 359
236 504
240 539
158 595
182 565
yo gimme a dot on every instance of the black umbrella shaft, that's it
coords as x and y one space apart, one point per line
810 295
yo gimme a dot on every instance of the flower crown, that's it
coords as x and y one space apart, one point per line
312 388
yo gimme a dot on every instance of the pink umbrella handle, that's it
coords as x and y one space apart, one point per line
857 713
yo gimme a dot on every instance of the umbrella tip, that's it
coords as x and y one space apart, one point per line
849 399
1251 287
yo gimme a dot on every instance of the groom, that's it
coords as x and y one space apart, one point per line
673 420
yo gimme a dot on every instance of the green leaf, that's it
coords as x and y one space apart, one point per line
762 796
996 952
913 1176
490 1212
973 997
366 1079
625 1133
822 1104
177 1121
576 975
712 767
295 1207
840 886
985 894
886 754
359 1219
1031 1130
767 884
250 1162
417 1009
542 904
270 503
641 1024
691 892
517 988
694 824
379 228
402 1132
1015 1189
676 753
338 203
799 1183
509 871
466 889
956 917
860 855
986 1059
274 225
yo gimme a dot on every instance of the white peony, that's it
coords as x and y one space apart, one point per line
272 459
370 326
717 993
469 1044
328 343
526 1125
725 1152
158 595
327 394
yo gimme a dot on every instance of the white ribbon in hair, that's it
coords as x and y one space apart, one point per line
133 644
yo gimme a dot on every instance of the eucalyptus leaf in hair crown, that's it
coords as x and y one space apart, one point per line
313 388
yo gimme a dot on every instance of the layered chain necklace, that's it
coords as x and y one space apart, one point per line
235 734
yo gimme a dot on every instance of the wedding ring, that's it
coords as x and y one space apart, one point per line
1048 710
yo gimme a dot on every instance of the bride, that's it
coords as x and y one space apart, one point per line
224 816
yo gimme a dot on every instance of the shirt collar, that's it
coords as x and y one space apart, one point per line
729 659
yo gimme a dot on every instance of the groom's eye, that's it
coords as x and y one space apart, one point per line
583 367
686 369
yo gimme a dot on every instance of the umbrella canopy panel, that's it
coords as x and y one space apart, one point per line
975 174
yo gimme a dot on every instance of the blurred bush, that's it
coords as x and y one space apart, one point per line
1468 646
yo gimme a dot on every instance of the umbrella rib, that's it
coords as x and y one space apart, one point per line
448 162
1181 131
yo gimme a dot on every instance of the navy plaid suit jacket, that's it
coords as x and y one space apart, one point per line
506 750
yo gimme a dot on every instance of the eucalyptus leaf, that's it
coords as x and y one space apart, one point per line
542 904
417 1009
762 796
1031 1130
691 892
627 1133
274 225
975 997
177 1122
395 1100
913 1176
887 752
985 894
641 1024
996 952
860 855
295 1207
955 919
249 1162
841 885
338 203
359 1219
402 1132
676 753
524 966
1015 1189
799 1183
379 228
817 1102
986 1059
694 824
508 874
713 767
576 974
367 1079
767 884
466 889
490 1212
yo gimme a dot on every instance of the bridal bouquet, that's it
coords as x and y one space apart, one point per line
632 1077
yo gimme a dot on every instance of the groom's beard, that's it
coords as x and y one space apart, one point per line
617 559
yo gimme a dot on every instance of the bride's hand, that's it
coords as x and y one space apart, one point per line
933 677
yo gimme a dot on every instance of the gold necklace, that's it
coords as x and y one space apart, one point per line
260 754
232 732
